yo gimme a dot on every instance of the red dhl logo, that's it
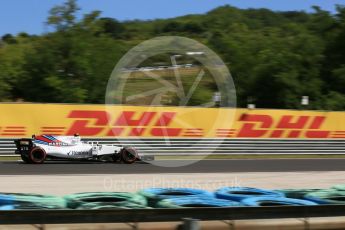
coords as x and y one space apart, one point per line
257 125
92 123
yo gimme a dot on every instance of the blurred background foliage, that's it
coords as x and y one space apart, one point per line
275 57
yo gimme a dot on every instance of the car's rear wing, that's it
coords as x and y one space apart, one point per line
23 144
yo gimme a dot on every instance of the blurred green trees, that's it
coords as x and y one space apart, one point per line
275 57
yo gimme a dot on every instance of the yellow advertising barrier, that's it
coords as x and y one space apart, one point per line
23 120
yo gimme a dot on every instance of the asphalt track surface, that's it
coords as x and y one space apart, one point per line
204 166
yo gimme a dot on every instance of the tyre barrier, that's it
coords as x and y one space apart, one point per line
36 201
175 198
6 200
240 193
109 205
6 207
340 187
274 201
327 196
196 202
154 195
103 200
296 193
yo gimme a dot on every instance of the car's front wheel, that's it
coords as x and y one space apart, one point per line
129 155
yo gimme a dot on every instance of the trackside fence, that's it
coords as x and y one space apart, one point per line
174 146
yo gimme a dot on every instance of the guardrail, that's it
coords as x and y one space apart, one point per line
217 146
166 215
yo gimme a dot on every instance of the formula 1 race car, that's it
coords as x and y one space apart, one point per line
39 148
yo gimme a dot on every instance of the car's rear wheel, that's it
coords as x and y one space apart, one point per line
129 155
37 155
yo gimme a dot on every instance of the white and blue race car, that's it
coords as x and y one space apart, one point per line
37 149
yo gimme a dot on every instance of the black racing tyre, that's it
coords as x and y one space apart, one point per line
37 155
129 155
25 158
